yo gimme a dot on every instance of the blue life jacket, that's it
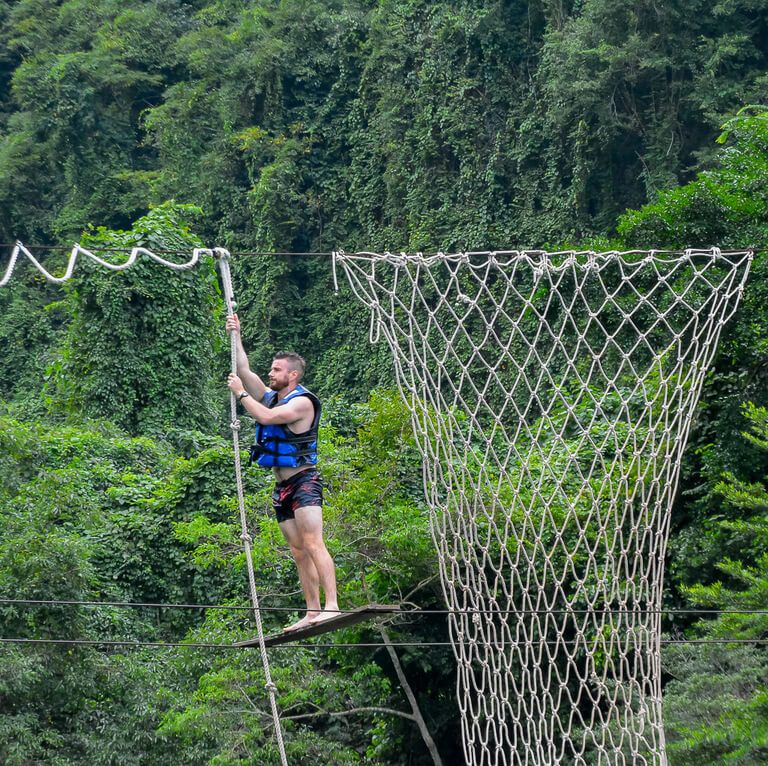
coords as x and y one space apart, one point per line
277 446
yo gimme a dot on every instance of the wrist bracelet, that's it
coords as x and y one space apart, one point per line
242 395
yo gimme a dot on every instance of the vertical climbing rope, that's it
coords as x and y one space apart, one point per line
222 258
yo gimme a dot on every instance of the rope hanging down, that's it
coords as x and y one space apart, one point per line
551 396
229 298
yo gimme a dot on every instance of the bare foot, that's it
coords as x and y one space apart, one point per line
325 615
303 622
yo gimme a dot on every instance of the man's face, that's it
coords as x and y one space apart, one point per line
280 375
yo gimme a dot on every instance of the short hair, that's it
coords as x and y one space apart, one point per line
295 362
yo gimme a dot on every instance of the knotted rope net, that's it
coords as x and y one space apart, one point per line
552 395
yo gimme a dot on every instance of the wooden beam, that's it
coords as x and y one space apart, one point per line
342 620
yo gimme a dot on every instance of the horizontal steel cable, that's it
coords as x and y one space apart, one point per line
400 611
340 645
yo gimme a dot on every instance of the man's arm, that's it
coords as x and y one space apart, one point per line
300 408
252 383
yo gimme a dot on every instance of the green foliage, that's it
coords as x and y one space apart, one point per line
739 536
726 206
401 125
640 80
716 706
141 346
33 322
72 150
226 719
58 486
91 514
300 126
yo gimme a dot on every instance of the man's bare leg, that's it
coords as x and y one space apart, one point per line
308 576
309 521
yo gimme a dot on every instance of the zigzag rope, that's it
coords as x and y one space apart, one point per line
77 249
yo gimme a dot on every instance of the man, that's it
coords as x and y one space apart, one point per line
286 441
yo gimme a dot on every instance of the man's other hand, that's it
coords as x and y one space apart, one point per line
235 384
233 323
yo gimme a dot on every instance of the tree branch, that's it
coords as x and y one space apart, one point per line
352 711
417 716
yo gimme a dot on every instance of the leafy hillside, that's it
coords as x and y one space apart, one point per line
300 126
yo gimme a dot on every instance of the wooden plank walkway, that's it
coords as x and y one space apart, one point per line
342 620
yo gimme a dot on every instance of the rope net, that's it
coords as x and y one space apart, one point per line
552 395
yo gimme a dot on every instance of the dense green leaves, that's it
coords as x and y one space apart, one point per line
725 205
716 706
301 126
71 149
404 124
91 514
142 344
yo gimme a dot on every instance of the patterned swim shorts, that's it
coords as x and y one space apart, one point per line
302 489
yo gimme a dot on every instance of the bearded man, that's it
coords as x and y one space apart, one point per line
287 417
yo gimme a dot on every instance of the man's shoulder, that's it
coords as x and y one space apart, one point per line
302 391
302 397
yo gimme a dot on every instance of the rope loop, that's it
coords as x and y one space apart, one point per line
374 329
334 256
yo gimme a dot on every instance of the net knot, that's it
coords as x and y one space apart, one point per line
245 537
270 687
235 425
